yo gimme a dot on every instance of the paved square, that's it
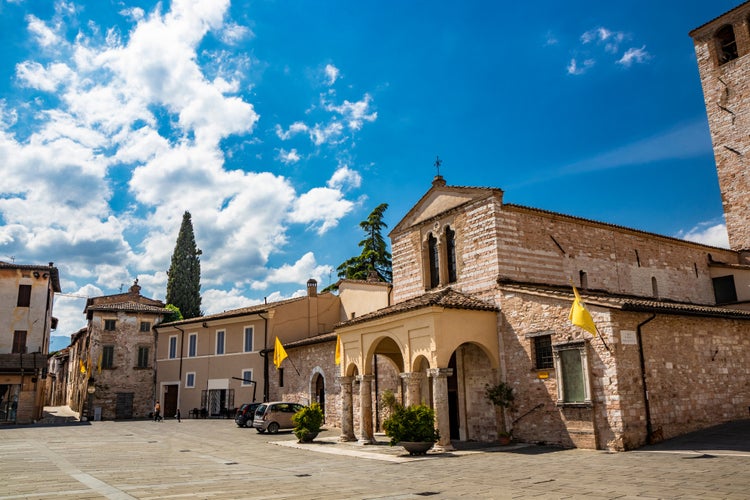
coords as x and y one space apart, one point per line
216 459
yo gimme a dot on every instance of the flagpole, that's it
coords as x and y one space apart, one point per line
292 362
599 334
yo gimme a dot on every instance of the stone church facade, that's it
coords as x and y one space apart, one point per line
482 292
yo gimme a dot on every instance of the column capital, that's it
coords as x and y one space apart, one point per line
365 378
408 376
439 372
345 380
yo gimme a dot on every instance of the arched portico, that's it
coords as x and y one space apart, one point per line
420 343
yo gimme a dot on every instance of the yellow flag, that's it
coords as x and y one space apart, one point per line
580 316
337 357
279 354
83 367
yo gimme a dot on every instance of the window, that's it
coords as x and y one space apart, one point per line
432 250
145 326
24 295
571 362
110 325
219 342
143 357
190 379
19 341
726 44
173 347
249 338
108 357
192 345
543 352
654 287
281 377
724 289
450 248
584 279
247 376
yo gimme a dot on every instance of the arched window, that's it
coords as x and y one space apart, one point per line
726 44
432 250
654 287
583 279
450 248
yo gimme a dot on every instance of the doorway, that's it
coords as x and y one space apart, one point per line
320 392
170 399
124 406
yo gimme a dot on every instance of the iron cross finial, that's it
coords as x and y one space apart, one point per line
437 164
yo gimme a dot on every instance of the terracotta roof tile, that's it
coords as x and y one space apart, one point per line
129 307
625 302
258 308
447 298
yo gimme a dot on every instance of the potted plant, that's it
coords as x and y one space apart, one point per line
412 427
307 422
501 395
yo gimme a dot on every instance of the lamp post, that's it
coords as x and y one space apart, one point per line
91 390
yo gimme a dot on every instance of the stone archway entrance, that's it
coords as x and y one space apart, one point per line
472 417
318 389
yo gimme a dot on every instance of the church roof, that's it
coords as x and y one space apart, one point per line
625 302
446 298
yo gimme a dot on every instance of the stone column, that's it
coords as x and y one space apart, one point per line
347 409
440 399
365 409
413 387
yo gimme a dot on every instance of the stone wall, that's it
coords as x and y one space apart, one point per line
542 247
311 361
696 372
124 376
529 245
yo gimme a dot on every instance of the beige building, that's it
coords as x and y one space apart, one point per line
110 371
26 298
215 363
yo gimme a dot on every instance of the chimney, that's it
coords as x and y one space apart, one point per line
312 288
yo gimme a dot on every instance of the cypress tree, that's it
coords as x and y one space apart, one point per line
184 275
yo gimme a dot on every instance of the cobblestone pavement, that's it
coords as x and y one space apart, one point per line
210 459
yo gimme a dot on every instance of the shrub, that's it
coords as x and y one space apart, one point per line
412 424
308 421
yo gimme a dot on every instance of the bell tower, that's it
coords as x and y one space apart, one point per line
722 47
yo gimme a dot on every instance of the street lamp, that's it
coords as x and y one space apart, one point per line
91 390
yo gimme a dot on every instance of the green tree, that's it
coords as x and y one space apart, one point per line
375 256
175 315
184 275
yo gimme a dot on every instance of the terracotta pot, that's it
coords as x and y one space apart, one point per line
308 438
504 440
416 447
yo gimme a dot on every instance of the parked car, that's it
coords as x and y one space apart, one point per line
274 416
245 414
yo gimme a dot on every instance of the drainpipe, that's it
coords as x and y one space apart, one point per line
182 348
649 428
264 353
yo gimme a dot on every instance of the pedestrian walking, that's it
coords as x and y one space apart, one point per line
157 412
177 415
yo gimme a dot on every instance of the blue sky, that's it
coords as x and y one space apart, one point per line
281 125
